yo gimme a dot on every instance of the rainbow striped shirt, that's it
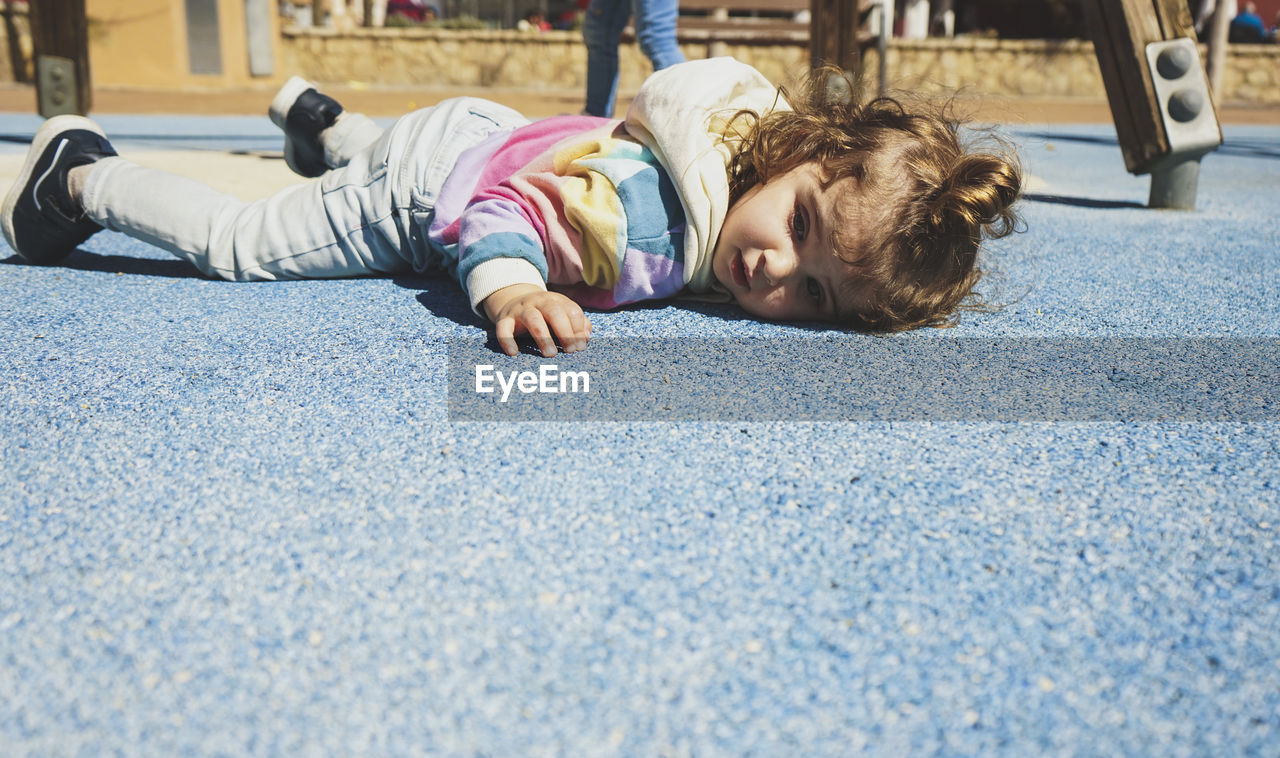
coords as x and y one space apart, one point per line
577 198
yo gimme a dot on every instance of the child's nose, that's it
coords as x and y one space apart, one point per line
778 266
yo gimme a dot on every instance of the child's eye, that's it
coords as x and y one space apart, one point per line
813 288
799 226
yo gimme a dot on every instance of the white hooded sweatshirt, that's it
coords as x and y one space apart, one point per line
681 114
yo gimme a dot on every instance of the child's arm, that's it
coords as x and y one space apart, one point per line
520 308
504 268
559 218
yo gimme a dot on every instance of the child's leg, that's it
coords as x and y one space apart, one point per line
351 134
284 236
318 133
340 225
42 220
369 216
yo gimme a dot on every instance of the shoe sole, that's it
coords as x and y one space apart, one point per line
279 111
46 134
286 97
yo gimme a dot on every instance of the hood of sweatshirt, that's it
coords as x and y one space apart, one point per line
682 115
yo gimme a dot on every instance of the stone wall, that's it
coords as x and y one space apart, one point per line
1253 75
1047 68
1043 68
547 60
1053 68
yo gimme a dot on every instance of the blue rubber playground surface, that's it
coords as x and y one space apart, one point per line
269 519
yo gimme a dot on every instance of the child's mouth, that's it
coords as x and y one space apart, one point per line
739 271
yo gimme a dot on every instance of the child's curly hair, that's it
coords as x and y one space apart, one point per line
925 201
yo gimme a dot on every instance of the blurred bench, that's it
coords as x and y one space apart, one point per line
719 23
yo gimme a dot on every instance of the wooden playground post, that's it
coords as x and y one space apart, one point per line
1160 102
60 36
837 36
833 34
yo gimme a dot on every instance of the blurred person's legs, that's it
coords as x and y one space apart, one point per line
656 31
655 22
601 30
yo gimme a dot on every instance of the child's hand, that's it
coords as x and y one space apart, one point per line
522 308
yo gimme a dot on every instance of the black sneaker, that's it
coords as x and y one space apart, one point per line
41 221
302 113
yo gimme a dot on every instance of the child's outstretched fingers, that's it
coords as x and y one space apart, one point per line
584 332
569 325
536 322
546 316
527 319
505 331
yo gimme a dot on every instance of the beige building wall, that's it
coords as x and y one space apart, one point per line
143 43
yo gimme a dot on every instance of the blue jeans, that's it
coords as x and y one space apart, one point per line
368 215
655 22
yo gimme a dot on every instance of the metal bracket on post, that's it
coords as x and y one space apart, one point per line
1159 96
60 38
1182 93
56 85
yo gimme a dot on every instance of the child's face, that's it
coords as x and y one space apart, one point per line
775 253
